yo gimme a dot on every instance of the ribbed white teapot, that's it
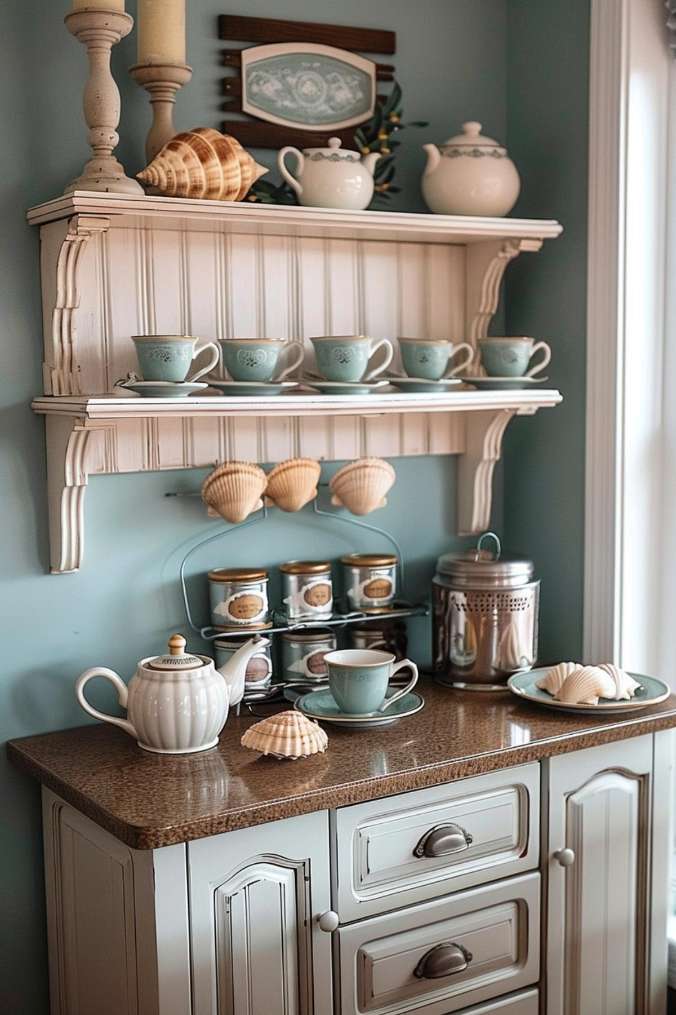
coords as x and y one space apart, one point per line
176 703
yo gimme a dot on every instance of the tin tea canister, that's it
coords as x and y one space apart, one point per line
303 654
369 581
238 598
388 635
307 589
485 618
258 671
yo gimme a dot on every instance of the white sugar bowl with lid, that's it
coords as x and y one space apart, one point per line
332 177
176 703
470 175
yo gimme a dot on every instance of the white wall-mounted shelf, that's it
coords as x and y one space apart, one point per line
115 266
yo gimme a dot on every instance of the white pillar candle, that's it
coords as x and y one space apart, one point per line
161 31
99 5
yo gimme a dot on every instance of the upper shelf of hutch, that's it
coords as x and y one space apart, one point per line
271 220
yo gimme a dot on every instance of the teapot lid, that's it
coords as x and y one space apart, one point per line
334 152
471 137
177 658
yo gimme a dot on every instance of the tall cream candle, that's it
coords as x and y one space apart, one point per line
99 5
161 31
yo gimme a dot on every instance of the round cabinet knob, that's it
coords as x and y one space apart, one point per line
564 857
328 921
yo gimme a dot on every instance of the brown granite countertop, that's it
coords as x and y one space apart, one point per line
150 800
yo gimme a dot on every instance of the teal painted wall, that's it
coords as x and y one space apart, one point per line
452 65
547 118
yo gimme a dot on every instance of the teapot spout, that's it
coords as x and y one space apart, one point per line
433 158
369 162
234 671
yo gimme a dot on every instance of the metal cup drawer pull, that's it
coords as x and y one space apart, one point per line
442 840
443 960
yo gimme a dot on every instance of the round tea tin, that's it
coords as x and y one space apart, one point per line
238 598
307 589
386 635
303 654
369 581
258 669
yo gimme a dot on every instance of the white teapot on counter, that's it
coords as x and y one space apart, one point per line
469 175
332 177
176 703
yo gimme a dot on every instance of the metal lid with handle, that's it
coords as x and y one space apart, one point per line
483 568
443 960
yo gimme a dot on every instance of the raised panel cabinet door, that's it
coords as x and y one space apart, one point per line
599 891
256 896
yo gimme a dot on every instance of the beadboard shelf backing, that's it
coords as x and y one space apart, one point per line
104 436
114 266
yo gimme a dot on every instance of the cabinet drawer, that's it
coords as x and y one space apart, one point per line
487 939
523 1003
486 829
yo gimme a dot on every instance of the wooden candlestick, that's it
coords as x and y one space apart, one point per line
161 81
99 31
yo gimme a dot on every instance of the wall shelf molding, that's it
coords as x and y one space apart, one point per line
115 266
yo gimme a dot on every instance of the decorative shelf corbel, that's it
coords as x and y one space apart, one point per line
487 262
483 448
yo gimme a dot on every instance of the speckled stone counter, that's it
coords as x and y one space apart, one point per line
149 800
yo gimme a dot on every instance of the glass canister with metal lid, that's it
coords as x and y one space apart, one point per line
369 581
307 589
485 617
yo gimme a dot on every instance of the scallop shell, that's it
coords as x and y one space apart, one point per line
286 735
234 490
625 686
293 484
361 486
585 686
202 163
554 678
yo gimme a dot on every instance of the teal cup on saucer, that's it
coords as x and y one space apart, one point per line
257 359
359 679
428 358
169 357
347 358
510 357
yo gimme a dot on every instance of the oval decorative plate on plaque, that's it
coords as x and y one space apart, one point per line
307 86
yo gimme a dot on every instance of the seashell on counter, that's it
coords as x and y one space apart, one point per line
234 490
585 686
361 486
554 678
286 735
625 686
202 163
293 484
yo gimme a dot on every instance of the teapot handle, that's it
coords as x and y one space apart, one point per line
300 162
122 694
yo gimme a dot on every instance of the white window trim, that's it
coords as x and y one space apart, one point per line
630 66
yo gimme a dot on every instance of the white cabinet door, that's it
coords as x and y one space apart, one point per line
255 899
599 868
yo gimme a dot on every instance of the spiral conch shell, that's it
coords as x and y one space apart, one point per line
554 678
202 163
286 735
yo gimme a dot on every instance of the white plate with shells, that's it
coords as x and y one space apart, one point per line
573 687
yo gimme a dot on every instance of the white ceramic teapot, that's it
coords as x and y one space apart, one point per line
176 703
332 177
469 175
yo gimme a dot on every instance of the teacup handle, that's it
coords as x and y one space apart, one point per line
300 162
215 356
370 374
543 362
300 349
404 664
453 371
122 695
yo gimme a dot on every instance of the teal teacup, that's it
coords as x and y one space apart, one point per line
359 679
347 358
169 357
257 359
428 358
510 357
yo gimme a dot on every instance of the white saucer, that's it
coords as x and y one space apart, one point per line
504 383
344 387
421 384
253 387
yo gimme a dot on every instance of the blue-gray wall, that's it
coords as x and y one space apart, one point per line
452 62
